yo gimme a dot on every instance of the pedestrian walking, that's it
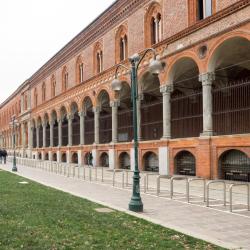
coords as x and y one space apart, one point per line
4 154
1 156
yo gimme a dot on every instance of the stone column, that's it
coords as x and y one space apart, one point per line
166 91
70 118
30 136
140 98
82 117
37 136
207 80
44 134
51 133
96 111
23 135
59 132
114 104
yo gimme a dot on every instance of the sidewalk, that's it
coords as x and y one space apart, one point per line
219 227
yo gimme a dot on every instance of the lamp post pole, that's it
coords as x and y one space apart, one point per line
135 203
155 66
14 167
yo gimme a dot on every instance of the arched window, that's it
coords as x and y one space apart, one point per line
156 29
79 70
25 102
153 25
43 92
98 58
35 98
65 79
99 61
121 44
53 86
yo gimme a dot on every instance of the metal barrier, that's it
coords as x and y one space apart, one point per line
114 173
231 194
147 178
177 178
158 182
224 190
204 188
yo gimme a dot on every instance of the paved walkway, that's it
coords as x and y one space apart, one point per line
219 227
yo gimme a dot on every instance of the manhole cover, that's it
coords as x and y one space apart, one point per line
104 210
23 182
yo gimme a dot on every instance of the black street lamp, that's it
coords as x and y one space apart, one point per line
13 124
155 67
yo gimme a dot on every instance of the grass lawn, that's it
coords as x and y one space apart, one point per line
34 217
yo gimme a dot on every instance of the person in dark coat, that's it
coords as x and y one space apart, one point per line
4 154
1 156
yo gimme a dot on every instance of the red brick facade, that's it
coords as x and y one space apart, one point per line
183 40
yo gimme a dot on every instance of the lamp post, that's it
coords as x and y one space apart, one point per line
13 124
155 67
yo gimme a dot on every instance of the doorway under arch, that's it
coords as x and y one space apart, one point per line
185 163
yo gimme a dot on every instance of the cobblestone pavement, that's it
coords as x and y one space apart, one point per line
214 224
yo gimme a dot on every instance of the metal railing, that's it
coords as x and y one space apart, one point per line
177 178
188 188
231 194
224 190
158 182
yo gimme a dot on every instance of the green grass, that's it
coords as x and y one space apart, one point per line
37 217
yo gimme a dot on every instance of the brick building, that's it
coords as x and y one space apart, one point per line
194 117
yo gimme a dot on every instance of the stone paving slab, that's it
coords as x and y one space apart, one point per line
226 229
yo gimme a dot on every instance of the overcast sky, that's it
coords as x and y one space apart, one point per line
32 31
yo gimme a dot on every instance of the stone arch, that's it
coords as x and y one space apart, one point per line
104 159
64 119
218 45
186 98
124 161
154 12
125 114
105 117
74 111
64 157
40 132
150 161
39 156
74 158
34 137
46 123
230 63
185 163
234 165
54 157
54 120
46 156
87 108
150 106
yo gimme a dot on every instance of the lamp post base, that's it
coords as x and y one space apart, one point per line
135 205
14 169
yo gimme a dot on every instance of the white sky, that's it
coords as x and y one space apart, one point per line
32 31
